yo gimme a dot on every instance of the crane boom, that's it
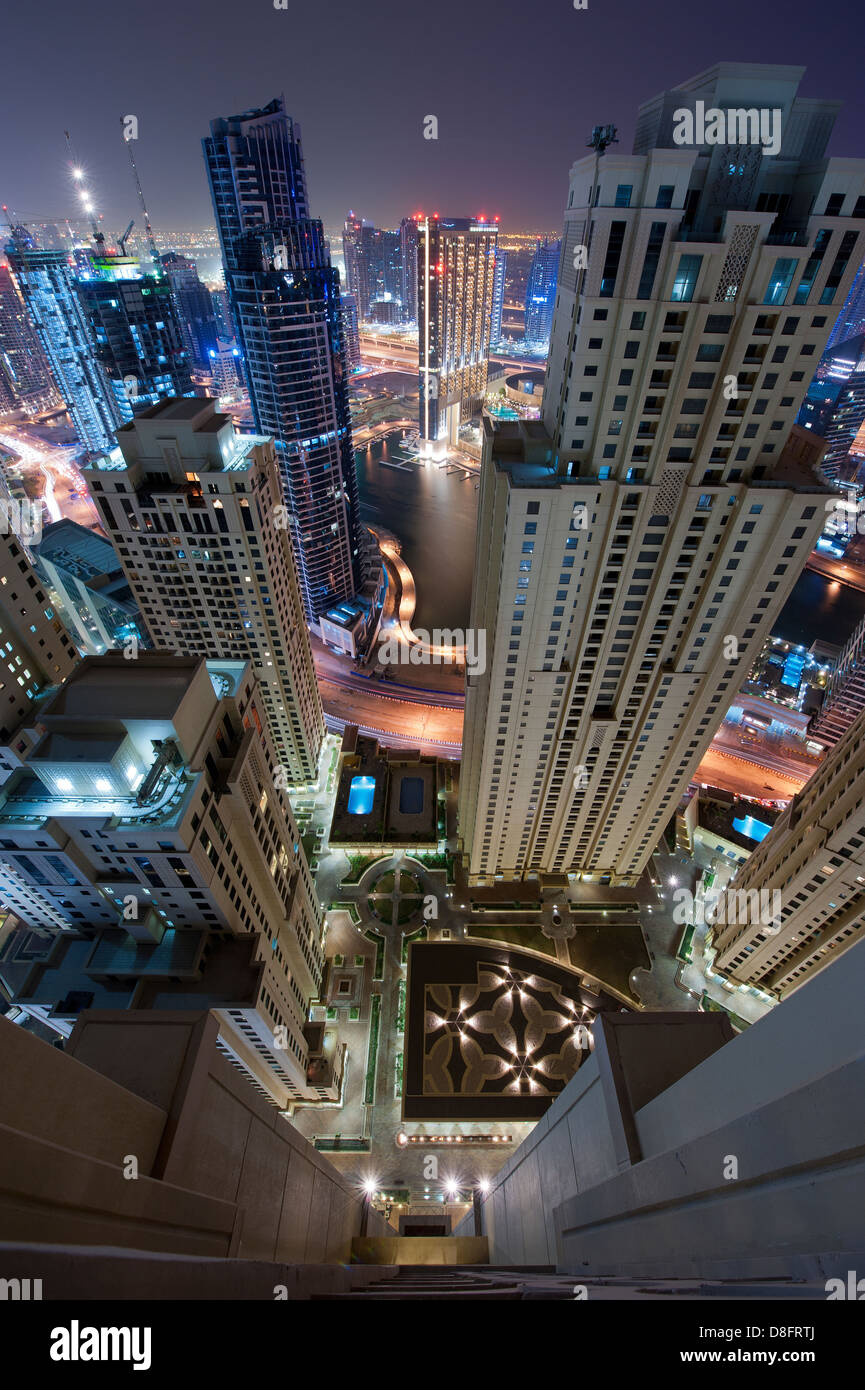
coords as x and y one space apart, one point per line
151 240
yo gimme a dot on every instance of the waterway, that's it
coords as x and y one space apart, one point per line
434 515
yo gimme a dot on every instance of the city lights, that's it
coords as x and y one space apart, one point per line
432 676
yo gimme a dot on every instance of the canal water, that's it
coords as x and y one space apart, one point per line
434 514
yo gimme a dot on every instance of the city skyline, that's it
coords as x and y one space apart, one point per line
431 694
352 151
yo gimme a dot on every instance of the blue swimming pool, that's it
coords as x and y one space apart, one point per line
360 795
411 796
754 829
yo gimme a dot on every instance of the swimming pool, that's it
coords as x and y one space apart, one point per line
360 796
411 796
754 829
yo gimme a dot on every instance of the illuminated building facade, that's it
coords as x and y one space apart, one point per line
147 808
352 335
635 547
541 294
285 303
194 308
35 650
47 282
498 305
815 855
136 332
456 271
408 268
195 512
845 693
25 377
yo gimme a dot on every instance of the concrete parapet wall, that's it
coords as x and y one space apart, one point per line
107 1273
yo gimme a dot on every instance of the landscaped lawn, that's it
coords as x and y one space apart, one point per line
357 863
385 884
406 941
408 883
530 937
609 951
407 908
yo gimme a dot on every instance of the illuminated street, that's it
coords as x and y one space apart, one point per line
62 487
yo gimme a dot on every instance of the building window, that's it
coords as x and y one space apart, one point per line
652 257
686 278
780 281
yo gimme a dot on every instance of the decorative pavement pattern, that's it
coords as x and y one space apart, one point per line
491 1032
513 1032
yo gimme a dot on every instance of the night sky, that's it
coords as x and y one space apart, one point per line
516 87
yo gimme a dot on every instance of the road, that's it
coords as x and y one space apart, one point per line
735 773
839 570
63 489
407 722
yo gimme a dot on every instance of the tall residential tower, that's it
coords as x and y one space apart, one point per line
195 512
635 546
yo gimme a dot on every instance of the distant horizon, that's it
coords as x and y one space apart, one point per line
515 98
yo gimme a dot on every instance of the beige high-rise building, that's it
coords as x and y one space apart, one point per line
36 651
195 512
635 547
144 816
814 856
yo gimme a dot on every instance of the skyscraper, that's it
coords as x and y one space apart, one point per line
147 804
194 307
195 513
814 859
285 302
47 282
25 377
456 269
845 693
408 268
351 331
35 650
499 279
843 430
541 294
135 331
351 235
851 320
635 547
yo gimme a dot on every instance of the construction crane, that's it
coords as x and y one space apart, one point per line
78 175
151 240
122 240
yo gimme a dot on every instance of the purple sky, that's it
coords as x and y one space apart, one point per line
516 88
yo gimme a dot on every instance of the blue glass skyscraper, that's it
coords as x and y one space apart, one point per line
541 294
47 282
285 301
499 275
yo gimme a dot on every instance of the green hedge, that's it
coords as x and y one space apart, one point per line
378 939
372 1055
